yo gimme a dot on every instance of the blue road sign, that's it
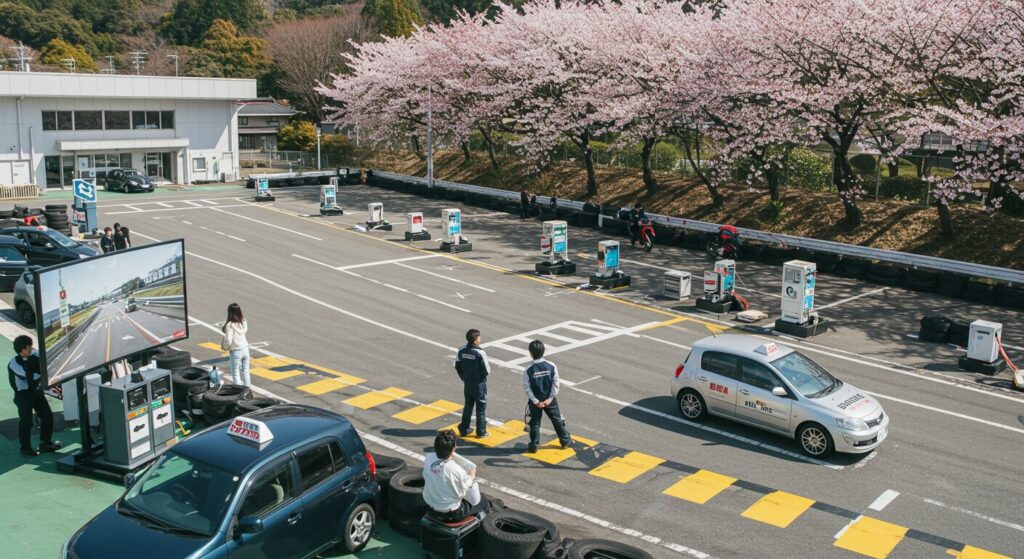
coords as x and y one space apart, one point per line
84 190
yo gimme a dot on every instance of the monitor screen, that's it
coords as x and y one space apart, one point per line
161 387
106 308
137 397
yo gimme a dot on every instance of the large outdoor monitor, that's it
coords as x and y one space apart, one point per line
103 309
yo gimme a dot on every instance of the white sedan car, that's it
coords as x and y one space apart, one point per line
779 389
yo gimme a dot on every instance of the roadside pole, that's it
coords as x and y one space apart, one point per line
430 139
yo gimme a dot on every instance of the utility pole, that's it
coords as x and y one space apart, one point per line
138 59
69 63
430 138
110 65
21 58
318 147
175 57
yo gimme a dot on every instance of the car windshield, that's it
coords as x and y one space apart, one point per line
808 377
60 239
181 494
132 173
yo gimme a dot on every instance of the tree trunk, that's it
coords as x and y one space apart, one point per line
490 148
945 220
771 175
645 154
418 149
689 149
465 152
843 177
894 168
588 161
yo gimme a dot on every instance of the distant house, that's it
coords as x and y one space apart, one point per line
259 121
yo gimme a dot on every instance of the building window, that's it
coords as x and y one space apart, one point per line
117 120
198 163
57 120
64 120
126 160
167 119
49 120
243 121
145 120
88 120
272 122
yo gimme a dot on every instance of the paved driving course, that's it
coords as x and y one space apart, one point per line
367 325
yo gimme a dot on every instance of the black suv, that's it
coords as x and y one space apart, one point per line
46 247
12 261
128 180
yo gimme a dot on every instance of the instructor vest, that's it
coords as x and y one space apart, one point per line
471 364
542 379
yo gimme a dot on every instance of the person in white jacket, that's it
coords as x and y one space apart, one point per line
235 343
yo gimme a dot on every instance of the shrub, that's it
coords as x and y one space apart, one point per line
863 163
808 170
911 188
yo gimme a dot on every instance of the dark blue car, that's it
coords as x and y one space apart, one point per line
229 492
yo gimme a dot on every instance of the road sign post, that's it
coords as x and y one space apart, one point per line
83 210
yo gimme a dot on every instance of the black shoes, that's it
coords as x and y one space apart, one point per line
30 452
483 435
532 449
49 446
566 445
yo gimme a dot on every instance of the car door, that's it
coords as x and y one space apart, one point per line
717 379
114 180
41 250
12 264
273 499
329 488
756 404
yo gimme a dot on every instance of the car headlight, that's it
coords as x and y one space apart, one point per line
852 424
82 256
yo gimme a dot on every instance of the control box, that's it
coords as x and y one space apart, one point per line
677 284
554 241
451 221
376 210
798 280
137 417
720 282
983 342
607 258
414 223
329 194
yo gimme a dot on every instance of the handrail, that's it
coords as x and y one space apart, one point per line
1007 275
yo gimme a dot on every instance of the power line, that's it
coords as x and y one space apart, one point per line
138 59
21 58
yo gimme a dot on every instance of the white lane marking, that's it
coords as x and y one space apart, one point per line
595 377
164 204
196 204
840 533
947 412
526 496
445 277
339 310
884 499
213 202
993 520
171 209
586 342
652 338
864 461
186 222
133 208
848 299
441 302
382 262
155 200
236 238
264 222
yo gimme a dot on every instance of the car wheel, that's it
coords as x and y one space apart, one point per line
815 440
26 314
358 528
692 405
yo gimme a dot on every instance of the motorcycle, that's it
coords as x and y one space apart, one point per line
725 243
646 236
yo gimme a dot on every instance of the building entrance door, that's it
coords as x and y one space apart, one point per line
154 165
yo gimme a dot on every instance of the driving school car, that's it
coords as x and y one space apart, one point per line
776 388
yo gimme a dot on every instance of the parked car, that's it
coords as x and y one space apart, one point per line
129 180
46 247
12 261
25 297
285 481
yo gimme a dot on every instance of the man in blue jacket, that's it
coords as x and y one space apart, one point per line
540 381
26 380
473 368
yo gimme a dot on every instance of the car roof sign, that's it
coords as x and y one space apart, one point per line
767 349
250 430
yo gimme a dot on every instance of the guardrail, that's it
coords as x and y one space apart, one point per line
165 301
300 178
72 335
18 191
1010 276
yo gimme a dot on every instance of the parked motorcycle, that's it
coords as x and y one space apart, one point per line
725 243
646 236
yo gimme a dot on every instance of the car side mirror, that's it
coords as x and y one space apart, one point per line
779 391
249 525
49 246
129 480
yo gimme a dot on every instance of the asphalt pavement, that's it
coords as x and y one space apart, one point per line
367 324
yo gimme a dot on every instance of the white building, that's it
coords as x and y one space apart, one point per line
55 127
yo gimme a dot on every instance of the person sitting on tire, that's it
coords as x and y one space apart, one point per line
449 483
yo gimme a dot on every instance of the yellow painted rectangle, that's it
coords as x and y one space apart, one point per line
624 469
213 346
330 385
779 509
376 398
871 537
426 412
700 487
272 375
338 374
971 552
552 453
498 434
269 362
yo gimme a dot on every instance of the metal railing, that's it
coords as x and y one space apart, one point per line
18 191
816 245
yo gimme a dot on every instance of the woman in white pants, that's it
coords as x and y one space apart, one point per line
234 342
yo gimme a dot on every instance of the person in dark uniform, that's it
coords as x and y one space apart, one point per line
636 215
107 241
540 381
524 204
473 368
26 380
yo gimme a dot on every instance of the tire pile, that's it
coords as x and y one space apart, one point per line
941 329
503 533
54 216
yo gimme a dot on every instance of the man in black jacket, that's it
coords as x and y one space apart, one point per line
472 366
26 380
541 383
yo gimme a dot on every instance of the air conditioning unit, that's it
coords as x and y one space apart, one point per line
677 284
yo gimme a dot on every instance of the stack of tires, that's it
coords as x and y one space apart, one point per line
941 329
219 402
405 502
387 467
8 219
185 381
511 534
57 218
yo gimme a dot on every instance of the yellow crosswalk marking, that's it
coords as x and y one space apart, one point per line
499 434
331 384
700 487
778 509
269 362
376 398
214 347
624 469
426 412
272 375
328 371
971 552
552 453
871 537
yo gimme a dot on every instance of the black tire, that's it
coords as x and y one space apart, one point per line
405 493
933 329
777 255
183 380
885 274
815 440
951 285
62 208
827 261
979 292
387 467
195 401
26 314
174 360
853 267
588 549
959 332
407 525
512 534
692 241
219 403
1012 297
255 404
922 280
5 214
692 405
358 529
